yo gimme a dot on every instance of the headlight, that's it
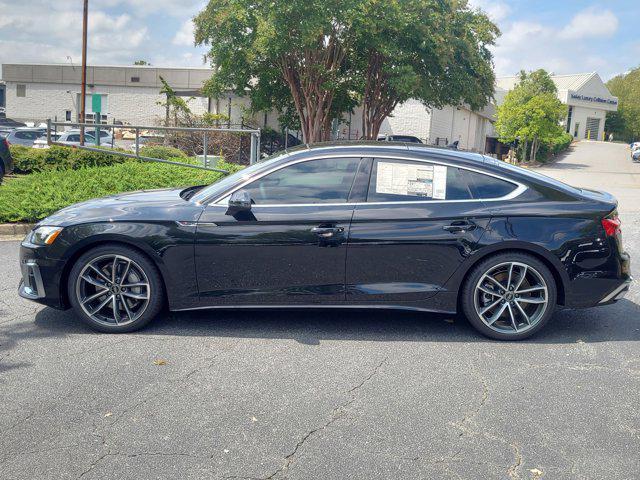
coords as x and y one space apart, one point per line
44 235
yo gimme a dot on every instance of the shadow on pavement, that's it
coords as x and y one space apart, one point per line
617 322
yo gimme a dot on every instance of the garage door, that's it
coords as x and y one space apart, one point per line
593 126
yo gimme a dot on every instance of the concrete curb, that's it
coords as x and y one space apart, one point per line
15 228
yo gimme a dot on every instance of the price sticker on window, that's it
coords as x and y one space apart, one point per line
429 181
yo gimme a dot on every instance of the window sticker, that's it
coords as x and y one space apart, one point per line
429 181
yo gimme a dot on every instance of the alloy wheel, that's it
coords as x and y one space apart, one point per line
113 290
511 297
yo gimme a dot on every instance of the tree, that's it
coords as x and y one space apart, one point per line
320 58
282 53
431 50
530 114
625 123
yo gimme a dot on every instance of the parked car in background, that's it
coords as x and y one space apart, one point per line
358 225
4 131
106 138
25 136
42 141
399 138
72 138
6 162
635 155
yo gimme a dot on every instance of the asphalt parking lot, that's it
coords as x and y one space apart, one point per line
313 394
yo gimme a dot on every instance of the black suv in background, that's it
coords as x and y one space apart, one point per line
6 162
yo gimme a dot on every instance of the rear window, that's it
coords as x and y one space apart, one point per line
487 187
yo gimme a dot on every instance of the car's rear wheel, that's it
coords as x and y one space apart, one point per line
509 296
114 288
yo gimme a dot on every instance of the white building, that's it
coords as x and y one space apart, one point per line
433 126
587 98
131 94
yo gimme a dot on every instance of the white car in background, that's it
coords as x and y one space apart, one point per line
72 138
41 142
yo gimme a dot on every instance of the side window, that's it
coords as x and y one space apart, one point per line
26 135
486 187
316 181
73 138
404 180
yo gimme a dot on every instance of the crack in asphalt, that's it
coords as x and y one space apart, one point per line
467 422
336 414
512 471
103 436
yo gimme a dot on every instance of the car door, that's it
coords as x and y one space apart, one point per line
419 222
290 248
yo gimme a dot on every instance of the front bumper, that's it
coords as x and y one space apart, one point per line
41 276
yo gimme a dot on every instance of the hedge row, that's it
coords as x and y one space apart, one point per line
32 197
557 145
30 160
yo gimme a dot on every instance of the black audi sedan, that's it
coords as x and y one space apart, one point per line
366 225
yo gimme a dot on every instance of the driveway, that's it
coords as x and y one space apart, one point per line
327 395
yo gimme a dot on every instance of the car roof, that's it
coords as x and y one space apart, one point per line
375 148
460 158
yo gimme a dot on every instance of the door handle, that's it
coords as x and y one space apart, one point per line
460 227
327 232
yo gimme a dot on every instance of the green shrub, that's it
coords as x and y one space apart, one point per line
162 152
557 145
32 197
29 160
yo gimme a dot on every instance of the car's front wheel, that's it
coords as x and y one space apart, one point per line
509 296
115 289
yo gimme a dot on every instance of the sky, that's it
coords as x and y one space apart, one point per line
562 36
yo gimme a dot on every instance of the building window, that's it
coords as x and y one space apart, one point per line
135 79
21 90
569 114
67 116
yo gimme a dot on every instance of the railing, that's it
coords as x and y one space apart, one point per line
253 155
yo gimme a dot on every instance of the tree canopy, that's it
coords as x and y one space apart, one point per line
321 58
625 123
530 113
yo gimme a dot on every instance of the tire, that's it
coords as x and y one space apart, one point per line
526 308
138 289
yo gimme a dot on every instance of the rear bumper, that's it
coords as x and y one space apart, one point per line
617 294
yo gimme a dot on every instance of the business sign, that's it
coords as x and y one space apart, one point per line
593 99
96 103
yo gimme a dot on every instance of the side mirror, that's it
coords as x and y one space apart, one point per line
240 201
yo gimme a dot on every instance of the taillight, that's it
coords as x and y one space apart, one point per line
611 225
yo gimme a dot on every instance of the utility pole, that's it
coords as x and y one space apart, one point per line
83 93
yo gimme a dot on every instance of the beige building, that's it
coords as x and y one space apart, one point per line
587 99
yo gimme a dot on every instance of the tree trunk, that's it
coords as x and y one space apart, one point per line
306 73
378 101
532 156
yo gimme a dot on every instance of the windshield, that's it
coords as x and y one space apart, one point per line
225 183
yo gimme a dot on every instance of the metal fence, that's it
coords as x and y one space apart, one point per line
52 132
